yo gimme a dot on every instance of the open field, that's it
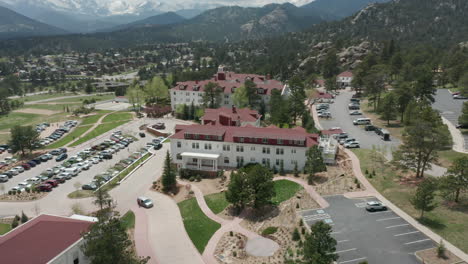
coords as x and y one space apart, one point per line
119 116
54 107
43 96
216 202
15 118
448 220
89 120
285 190
4 138
78 131
81 98
198 226
99 130
4 228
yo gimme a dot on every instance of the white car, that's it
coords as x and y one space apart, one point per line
17 188
33 180
24 185
354 144
65 175
19 169
459 96
13 172
95 160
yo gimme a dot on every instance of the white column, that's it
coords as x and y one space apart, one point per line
199 163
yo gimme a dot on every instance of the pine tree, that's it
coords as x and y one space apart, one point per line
24 217
320 246
424 197
169 175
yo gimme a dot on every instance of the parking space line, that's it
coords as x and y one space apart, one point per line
351 260
417 241
381 212
345 250
397 225
336 232
390 218
404 234
341 241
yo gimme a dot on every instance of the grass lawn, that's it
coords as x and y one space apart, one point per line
44 96
4 228
198 226
99 130
90 120
4 138
447 157
69 137
285 190
450 223
78 194
81 98
128 220
119 116
15 118
54 107
216 202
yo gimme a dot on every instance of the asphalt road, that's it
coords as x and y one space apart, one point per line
379 237
341 118
449 108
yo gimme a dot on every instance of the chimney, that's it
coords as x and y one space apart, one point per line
268 76
216 78
234 110
196 82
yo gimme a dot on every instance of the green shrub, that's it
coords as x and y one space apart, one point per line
296 236
24 217
269 230
15 223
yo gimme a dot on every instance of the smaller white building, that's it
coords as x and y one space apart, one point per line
344 79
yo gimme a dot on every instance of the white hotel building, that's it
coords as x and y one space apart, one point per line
209 148
193 91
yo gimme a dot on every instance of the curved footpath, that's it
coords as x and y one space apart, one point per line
457 137
371 191
234 225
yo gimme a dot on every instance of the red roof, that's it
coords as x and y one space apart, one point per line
346 74
41 239
223 114
325 96
332 131
233 80
230 132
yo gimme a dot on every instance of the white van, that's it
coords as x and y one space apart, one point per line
72 171
362 121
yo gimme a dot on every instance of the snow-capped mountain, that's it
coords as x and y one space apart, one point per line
135 7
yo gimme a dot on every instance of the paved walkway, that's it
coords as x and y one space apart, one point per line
457 137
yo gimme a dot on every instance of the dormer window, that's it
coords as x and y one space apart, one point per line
260 90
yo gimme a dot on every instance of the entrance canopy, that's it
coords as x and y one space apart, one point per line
199 155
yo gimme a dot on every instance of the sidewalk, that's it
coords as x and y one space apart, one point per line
457 137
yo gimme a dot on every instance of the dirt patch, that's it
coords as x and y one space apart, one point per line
209 186
37 111
429 256
22 197
181 193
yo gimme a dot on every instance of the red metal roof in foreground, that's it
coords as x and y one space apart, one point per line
40 239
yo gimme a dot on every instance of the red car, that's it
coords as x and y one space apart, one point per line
52 183
44 187
26 166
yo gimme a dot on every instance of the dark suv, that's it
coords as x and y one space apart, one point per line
61 157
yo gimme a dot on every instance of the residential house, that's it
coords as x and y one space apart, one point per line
344 79
231 117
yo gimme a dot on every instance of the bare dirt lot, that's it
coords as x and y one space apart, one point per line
429 256
37 111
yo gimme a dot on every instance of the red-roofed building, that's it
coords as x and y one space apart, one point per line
45 239
231 117
344 79
209 148
193 91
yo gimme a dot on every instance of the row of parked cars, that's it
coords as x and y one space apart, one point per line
383 133
27 165
323 110
5 147
58 133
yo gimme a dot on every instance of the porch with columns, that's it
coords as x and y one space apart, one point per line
200 161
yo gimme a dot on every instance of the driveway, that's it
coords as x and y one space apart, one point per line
450 108
379 237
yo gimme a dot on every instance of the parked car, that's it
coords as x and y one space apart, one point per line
63 150
61 157
19 169
355 112
375 206
145 202
37 161
354 144
369 128
347 140
459 96
354 107
90 186
462 126
60 179
159 125
44 187
52 183
362 121
13 172
26 166
4 178
142 134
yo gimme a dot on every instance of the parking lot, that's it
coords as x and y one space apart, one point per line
341 118
377 237
449 108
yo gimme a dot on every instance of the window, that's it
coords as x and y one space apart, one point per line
280 142
226 102
195 145
226 148
241 140
279 162
240 161
207 137
196 136
240 148
294 162
178 156
252 148
252 159
266 150
174 93
76 261
265 140
293 151
187 94
279 151
226 96
179 144
226 160
208 146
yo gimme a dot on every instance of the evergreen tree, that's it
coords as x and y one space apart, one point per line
330 65
314 162
238 192
212 96
24 217
169 176
320 246
388 108
296 98
463 119
457 177
23 138
241 97
423 199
